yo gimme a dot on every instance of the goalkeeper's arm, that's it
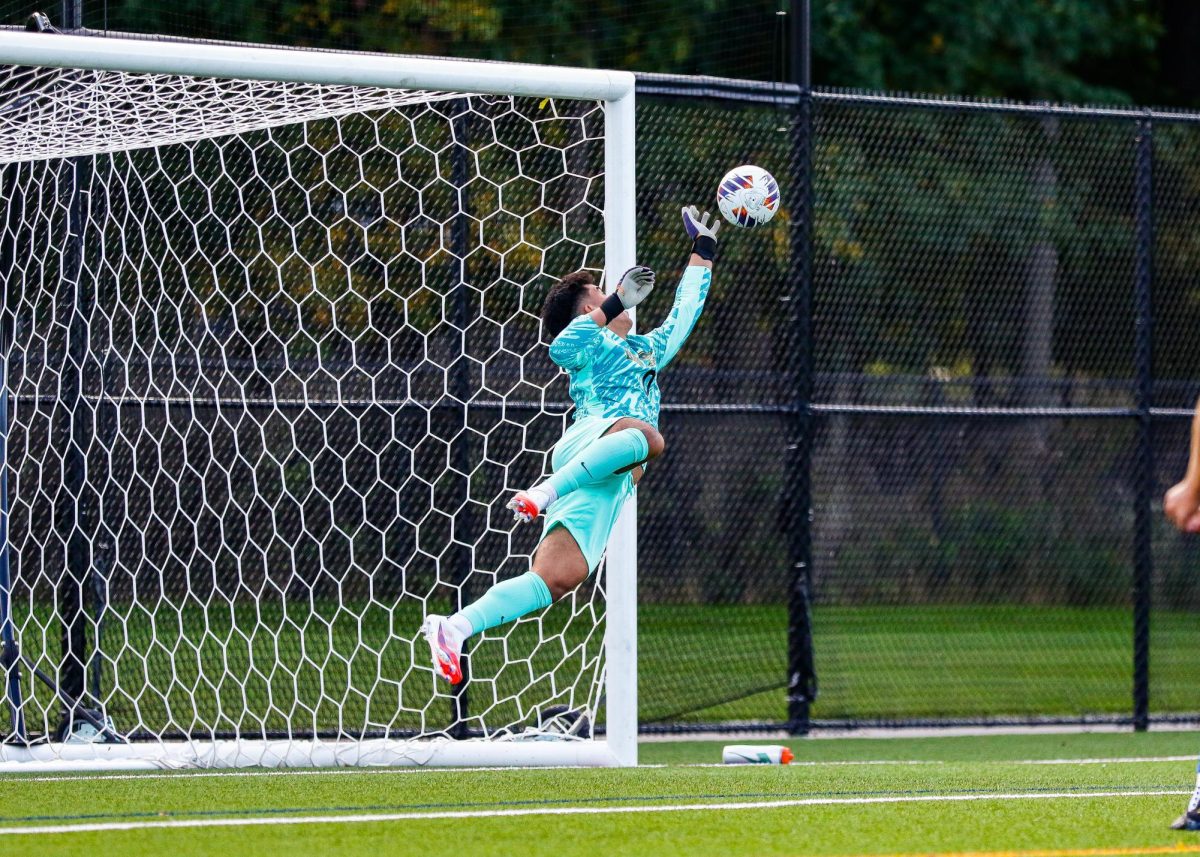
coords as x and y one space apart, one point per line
631 290
638 281
669 337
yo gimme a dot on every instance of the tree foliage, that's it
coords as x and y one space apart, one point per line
1023 49
1065 50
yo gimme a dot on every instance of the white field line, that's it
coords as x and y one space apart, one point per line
975 731
834 733
331 772
856 762
271 821
1115 761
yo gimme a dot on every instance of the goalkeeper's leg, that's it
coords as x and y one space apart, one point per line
626 444
573 541
558 567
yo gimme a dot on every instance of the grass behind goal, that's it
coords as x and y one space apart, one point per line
886 663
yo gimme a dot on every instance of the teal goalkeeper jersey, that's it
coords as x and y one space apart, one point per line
615 377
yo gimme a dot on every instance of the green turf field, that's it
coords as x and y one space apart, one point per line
1040 795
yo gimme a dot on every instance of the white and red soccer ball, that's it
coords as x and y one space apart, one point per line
748 196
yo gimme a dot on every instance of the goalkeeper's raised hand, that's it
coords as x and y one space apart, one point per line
631 290
702 232
634 285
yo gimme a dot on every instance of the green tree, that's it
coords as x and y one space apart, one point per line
1021 49
1066 50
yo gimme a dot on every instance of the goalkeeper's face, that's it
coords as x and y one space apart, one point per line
592 298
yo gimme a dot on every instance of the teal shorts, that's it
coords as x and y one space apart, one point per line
590 512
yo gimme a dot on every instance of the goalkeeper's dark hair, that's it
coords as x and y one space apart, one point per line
562 303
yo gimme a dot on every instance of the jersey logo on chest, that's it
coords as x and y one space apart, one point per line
641 358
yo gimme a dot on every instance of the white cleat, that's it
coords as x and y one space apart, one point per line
445 645
524 507
527 505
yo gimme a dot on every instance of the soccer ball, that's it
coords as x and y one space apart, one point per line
748 196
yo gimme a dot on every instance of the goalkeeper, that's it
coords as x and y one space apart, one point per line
603 454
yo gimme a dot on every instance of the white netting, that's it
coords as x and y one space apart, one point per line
273 363
59 113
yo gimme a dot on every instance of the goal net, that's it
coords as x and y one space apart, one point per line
271 362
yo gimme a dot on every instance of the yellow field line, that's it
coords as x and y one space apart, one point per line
1180 848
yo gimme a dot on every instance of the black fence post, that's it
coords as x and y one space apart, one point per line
72 671
72 14
69 511
464 529
10 666
1143 560
802 679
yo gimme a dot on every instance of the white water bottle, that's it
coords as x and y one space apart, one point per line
757 754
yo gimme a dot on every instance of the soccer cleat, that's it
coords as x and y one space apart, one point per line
524 507
1187 821
445 644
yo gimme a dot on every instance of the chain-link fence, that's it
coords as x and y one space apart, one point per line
993 396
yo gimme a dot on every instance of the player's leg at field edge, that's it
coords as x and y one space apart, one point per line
1190 820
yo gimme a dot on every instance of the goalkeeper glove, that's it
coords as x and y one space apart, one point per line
702 233
631 290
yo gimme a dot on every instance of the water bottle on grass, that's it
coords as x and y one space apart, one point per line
756 754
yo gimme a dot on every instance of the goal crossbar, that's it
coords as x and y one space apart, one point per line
237 62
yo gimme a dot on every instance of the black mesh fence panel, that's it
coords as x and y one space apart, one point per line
972 261
712 553
1173 629
976 452
968 568
988 251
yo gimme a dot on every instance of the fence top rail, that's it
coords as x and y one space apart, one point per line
784 94
240 62
725 88
955 103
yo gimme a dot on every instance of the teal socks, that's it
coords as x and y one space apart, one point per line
599 460
507 600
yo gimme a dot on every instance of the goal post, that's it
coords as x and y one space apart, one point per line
271 363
